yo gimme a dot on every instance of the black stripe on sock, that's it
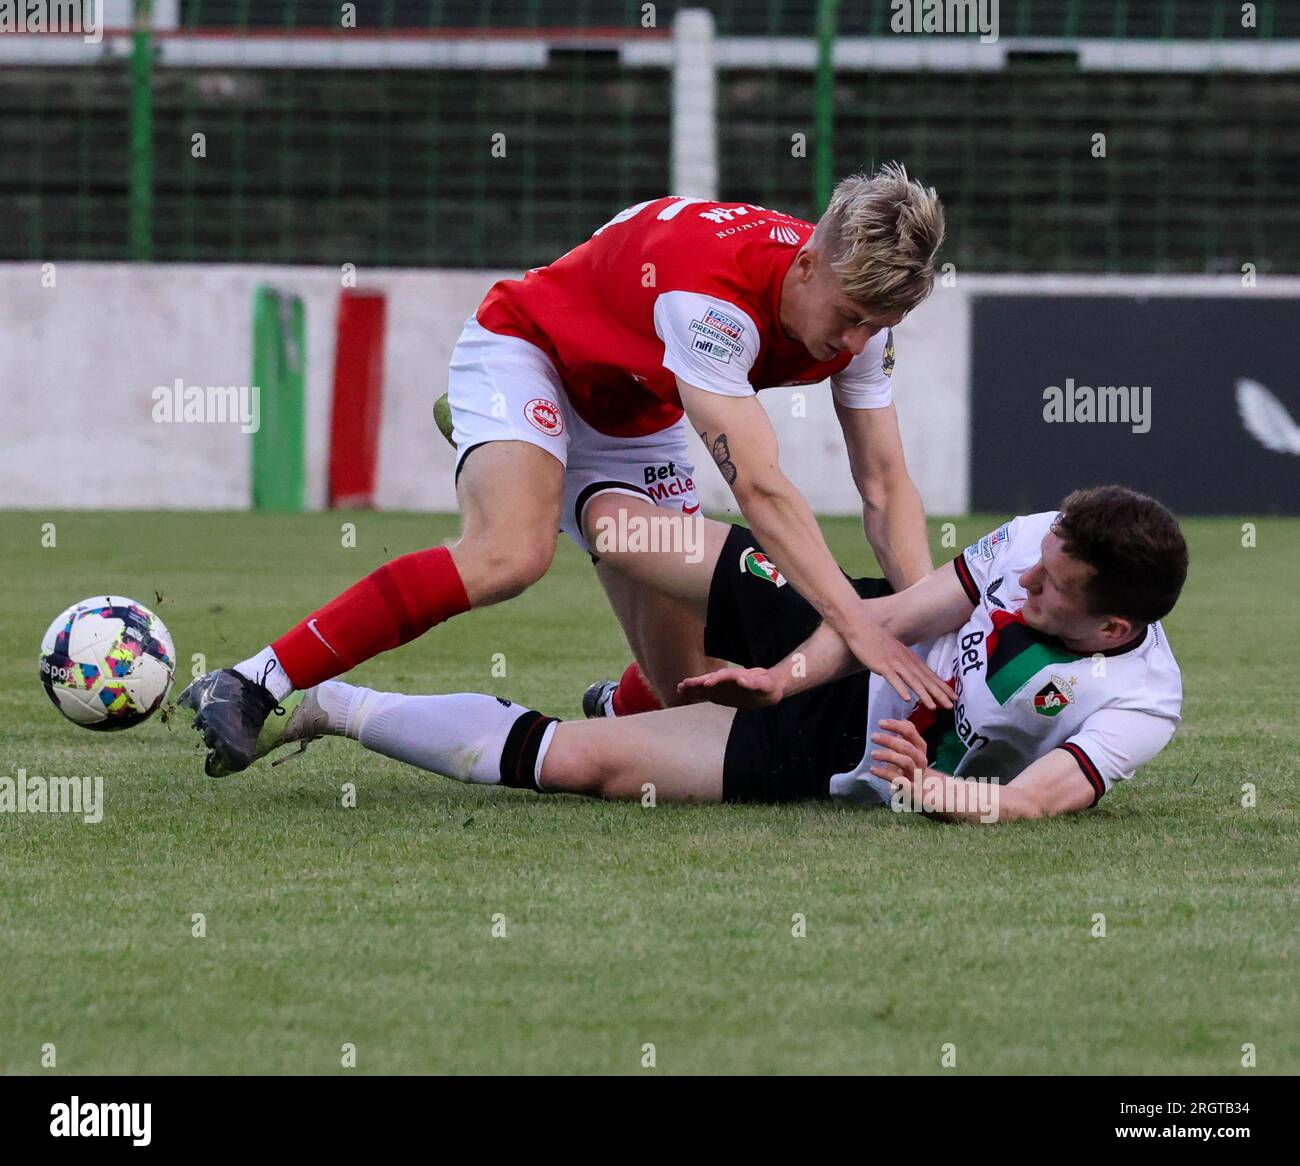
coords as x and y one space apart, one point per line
523 743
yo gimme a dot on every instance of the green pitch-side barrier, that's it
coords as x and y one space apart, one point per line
279 372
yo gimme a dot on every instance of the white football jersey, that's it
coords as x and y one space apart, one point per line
1020 693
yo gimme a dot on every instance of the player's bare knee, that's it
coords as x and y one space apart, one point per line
521 566
504 566
666 665
665 688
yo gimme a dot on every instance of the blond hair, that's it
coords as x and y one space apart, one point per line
880 233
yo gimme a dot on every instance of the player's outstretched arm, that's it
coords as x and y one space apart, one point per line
892 513
740 439
936 605
1052 785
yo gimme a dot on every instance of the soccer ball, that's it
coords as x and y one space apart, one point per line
107 662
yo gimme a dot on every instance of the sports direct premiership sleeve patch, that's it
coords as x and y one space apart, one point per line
977 564
717 336
708 342
985 551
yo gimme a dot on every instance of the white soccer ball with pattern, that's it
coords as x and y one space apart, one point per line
107 662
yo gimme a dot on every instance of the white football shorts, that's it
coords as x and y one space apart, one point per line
502 388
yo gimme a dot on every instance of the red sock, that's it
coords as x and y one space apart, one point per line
634 694
389 607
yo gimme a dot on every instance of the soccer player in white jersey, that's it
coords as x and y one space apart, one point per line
1048 627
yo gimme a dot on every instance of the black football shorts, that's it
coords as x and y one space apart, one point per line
789 752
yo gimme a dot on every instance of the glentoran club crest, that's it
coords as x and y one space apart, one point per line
757 563
1053 697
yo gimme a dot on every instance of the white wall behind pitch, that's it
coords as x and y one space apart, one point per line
79 363
930 394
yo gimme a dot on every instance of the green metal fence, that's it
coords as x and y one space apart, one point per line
1201 172
1050 18
253 157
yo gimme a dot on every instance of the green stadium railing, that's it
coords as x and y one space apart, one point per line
242 152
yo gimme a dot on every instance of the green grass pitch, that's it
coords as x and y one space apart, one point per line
624 926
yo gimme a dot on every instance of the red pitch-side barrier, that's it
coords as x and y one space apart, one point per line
358 393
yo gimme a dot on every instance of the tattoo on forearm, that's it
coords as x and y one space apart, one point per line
722 455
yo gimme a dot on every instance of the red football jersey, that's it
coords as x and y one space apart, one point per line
675 287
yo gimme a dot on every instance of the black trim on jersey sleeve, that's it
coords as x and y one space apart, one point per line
968 583
1090 771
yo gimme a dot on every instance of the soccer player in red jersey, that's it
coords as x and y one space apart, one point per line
567 391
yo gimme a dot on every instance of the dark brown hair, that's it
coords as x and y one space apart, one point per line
1135 546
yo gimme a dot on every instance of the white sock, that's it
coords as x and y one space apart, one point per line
462 735
265 669
338 701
